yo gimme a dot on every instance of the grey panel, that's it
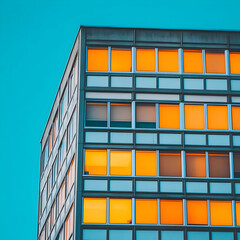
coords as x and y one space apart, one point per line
218 140
216 84
97 81
146 235
194 84
195 139
171 235
120 234
146 186
237 188
95 185
121 137
96 137
120 185
234 38
236 99
220 188
169 83
94 234
170 186
197 236
146 138
235 85
196 187
121 82
222 236
145 82
236 141
170 138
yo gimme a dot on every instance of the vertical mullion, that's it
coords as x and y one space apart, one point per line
229 117
108 114
227 62
204 61
205 117
134 59
108 206
109 59
133 114
157 116
184 212
183 162
133 162
234 213
108 162
208 212
133 210
207 165
156 59
158 170
158 211
180 60
231 163
181 116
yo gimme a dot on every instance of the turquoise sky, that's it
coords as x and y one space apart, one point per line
36 38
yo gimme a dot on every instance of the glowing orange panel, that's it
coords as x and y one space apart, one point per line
197 212
169 116
146 163
236 118
194 116
121 163
121 60
168 60
193 61
95 162
145 59
235 62
94 210
170 164
196 165
221 213
171 211
120 211
215 62
217 117
146 211
238 213
97 59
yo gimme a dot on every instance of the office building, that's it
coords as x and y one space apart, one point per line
143 139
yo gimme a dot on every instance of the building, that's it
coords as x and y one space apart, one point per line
143 139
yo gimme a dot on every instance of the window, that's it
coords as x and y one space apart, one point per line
45 155
146 211
73 79
197 212
97 59
236 160
94 210
53 214
218 165
44 197
55 170
121 115
146 163
42 236
48 227
221 213
215 62
96 114
63 105
145 59
120 211
238 213
168 60
121 163
71 176
169 116
194 116
95 162
61 235
61 197
63 150
145 115
50 141
121 60
235 118
170 164
217 117
193 61
49 183
71 128
235 62
69 225
55 128
195 165
171 212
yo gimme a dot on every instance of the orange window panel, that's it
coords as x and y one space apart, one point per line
236 118
171 212
195 165
94 210
238 213
170 164
193 61
169 116
121 60
168 60
221 213
97 59
194 116
120 211
217 117
145 59
95 162
146 211
235 62
215 62
146 163
197 212
121 163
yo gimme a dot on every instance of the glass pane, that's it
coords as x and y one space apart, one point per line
217 117
146 235
121 60
171 235
222 236
97 59
120 211
236 160
194 116
238 213
96 114
120 234
215 62
195 165
236 118
95 162
193 83
169 116
145 59
94 210
170 164
146 163
121 115
146 211
219 165
197 235
121 163
145 116
94 234
216 84
193 61
168 60
171 212
221 213
235 62
197 212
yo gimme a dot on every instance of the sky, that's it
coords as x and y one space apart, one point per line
36 37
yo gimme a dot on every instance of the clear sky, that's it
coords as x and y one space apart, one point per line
36 37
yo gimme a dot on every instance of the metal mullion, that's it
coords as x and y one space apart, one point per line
134 59
183 162
234 213
184 212
205 117
158 170
181 116
229 117
231 164
208 213
108 162
204 60
107 212
156 60
133 162
109 59
108 114
157 116
227 62
133 210
207 165
158 211
180 61
133 114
